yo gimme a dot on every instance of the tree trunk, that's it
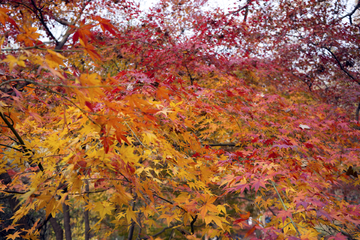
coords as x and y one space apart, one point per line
86 214
14 203
66 211
59 233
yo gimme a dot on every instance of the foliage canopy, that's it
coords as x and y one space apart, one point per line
179 122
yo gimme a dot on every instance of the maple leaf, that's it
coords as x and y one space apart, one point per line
26 195
29 36
162 92
338 236
208 206
130 215
89 49
218 220
103 208
169 218
83 33
106 25
10 227
320 213
54 59
13 236
284 214
259 183
164 111
5 18
248 233
243 217
15 61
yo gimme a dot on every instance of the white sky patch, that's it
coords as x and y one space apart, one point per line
223 4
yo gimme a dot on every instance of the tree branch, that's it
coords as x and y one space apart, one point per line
132 227
60 45
10 147
25 150
160 232
39 15
192 224
341 66
357 6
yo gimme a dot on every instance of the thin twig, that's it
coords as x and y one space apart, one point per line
134 134
10 147
285 208
37 47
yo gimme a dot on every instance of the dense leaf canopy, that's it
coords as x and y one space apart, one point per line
179 122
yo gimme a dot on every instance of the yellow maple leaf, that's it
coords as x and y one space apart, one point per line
218 220
54 59
25 196
130 215
90 79
149 138
168 218
15 61
103 208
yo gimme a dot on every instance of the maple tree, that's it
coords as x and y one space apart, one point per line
179 122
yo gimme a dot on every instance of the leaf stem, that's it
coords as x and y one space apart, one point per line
285 208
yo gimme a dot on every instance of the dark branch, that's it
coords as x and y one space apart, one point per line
10 147
132 227
62 21
168 201
351 13
39 15
192 224
341 66
221 144
18 137
160 232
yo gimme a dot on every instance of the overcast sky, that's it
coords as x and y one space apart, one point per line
224 4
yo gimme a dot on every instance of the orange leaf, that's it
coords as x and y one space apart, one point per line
250 231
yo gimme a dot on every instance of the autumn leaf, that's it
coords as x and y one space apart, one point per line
259 183
26 195
54 59
10 227
130 215
251 231
218 220
208 206
106 25
89 49
29 36
13 236
5 18
14 61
